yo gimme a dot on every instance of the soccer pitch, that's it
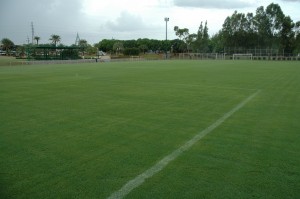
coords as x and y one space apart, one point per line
86 130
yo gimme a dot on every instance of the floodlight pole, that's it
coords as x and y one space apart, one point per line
166 20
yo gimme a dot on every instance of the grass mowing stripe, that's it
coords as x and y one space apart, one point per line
189 85
137 181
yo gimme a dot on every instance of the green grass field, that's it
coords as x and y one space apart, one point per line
85 130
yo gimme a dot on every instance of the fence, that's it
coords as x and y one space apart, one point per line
78 61
266 54
260 52
202 56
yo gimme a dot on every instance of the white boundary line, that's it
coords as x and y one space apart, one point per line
140 179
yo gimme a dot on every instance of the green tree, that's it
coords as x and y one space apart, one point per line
165 45
190 41
268 28
7 45
82 44
178 46
55 39
251 31
202 39
118 47
262 28
144 42
20 51
156 45
106 45
132 51
275 17
129 44
182 34
286 35
236 30
143 48
297 38
91 50
217 43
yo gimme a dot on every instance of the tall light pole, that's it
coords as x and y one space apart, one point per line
166 20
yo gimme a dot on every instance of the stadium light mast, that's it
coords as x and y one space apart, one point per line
166 20
32 33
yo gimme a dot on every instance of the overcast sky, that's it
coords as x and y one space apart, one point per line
95 20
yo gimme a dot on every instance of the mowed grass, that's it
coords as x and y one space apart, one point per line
83 131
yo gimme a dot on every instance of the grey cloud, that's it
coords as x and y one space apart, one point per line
62 17
131 26
218 4
126 22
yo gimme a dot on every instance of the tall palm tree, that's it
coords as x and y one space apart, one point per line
37 38
55 39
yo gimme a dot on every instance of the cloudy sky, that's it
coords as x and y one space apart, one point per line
95 20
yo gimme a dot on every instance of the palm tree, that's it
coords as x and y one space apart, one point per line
37 38
55 39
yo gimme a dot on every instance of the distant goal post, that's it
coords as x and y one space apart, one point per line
242 56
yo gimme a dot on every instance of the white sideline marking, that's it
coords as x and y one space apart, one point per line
140 179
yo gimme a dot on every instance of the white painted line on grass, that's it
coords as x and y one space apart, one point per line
140 179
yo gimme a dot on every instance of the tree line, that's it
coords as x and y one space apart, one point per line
266 28
142 45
